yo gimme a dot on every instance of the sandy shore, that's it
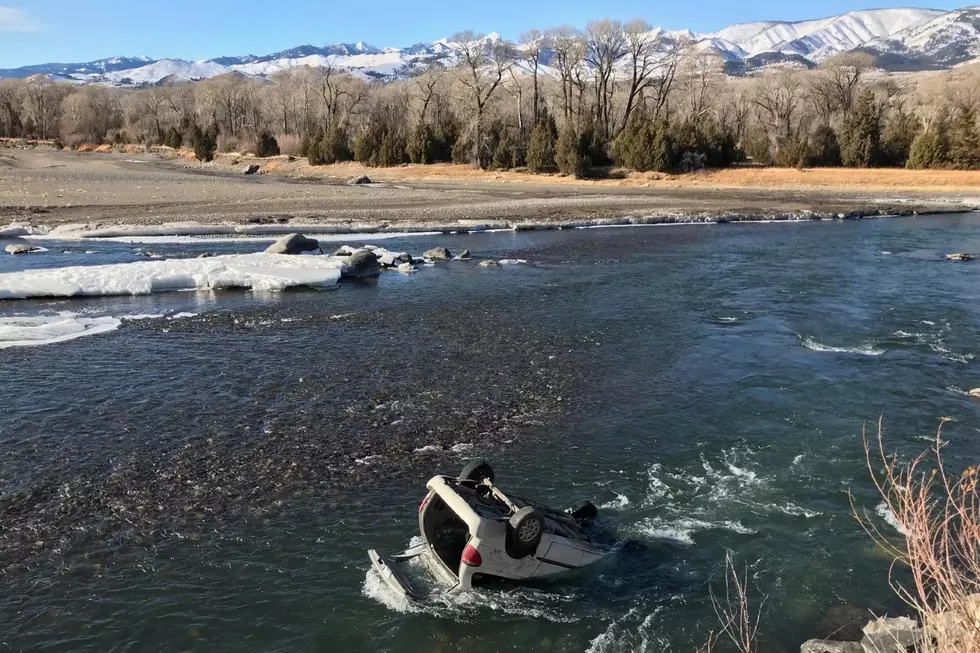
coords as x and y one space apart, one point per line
50 188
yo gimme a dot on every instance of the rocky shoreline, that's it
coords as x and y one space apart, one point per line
281 225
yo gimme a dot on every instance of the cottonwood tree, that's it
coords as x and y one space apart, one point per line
652 63
833 90
11 124
701 78
607 45
533 44
481 67
569 47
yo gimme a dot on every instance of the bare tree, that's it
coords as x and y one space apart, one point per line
533 44
568 45
10 107
700 80
427 85
606 47
777 102
481 68
833 90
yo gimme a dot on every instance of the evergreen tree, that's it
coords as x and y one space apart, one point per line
421 145
757 146
824 149
267 145
333 146
541 151
205 143
930 148
792 152
897 138
861 136
570 155
645 145
964 140
173 139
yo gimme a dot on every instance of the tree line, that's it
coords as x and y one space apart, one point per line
567 100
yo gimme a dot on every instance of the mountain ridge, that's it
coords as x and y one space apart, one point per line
904 38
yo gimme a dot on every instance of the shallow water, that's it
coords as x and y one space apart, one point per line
212 481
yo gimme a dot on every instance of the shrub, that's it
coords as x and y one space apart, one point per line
645 145
227 143
379 145
266 145
290 144
897 138
541 150
570 156
792 152
173 139
757 146
964 140
462 151
507 154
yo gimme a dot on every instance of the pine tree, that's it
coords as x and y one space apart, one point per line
824 148
897 138
541 151
333 146
421 144
930 148
205 143
173 139
646 145
570 156
267 145
861 136
964 140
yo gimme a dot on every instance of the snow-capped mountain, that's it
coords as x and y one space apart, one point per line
902 38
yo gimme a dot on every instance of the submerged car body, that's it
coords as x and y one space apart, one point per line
470 529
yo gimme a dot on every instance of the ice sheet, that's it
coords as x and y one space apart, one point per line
47 329
266 272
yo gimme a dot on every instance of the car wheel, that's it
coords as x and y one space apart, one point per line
525 531
583 511
476 471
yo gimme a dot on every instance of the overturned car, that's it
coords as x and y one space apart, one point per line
472 530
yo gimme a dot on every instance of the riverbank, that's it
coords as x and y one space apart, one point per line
47 188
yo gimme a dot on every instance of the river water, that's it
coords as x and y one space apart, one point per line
210 479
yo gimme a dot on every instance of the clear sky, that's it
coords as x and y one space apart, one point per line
42 31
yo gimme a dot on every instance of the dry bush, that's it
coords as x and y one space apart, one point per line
939 516
230 143
289 144
739 622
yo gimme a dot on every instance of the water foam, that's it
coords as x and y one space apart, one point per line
620 502
883 511
682 529
866 349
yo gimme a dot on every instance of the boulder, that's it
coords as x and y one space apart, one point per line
251 169
345 250
407 267
21 249
405 258
293 244
362 263
488 264
438 254
891 635
387 260
359 181
828 646
960 256
975 392
463 256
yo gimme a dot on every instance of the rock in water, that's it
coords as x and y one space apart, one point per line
362 263
438 254
251 169
21 249
359 181
960 256
488 264
387 260
463 256
293 244
344 250
407 268
975 392
828 646
897 635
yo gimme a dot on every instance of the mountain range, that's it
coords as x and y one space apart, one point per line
902 39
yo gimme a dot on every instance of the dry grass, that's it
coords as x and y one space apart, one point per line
939 515
289 144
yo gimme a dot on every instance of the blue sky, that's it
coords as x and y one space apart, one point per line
41 31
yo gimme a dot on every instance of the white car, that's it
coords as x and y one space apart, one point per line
470 529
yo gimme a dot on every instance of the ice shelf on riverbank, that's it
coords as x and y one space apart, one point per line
263 272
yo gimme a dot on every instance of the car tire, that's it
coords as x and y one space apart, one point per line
524 532
476 471
584 511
